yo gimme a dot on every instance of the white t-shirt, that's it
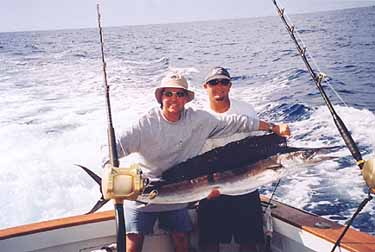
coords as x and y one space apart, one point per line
236 108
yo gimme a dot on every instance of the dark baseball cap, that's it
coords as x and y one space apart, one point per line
217 73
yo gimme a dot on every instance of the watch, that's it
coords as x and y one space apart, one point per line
270 127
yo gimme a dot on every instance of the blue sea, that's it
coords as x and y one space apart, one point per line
53 115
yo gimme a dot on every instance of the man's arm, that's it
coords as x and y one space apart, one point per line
280 129
230 124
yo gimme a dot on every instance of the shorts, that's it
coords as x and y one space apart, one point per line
226 216
138 222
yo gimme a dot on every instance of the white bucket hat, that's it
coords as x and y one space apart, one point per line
173 80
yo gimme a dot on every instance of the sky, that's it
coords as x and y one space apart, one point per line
26 15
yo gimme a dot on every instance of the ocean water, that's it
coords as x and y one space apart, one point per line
52 106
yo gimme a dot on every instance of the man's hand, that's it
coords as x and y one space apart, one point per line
214 194
282 130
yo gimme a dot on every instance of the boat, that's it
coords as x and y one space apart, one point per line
294 230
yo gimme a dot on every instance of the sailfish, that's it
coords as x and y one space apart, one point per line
234 169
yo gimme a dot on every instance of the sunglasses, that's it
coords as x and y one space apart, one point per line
179 94
214 82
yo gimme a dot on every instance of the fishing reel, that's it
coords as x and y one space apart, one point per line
123 183
368 173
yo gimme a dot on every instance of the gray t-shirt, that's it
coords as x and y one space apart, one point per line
163 144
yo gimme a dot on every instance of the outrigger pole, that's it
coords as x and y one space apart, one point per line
366 166
113 156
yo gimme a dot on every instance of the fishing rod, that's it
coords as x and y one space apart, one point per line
318 78
117 183
367 167
113 156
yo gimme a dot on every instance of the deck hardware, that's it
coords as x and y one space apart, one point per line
321 224
153 194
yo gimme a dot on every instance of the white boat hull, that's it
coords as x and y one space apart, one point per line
294 231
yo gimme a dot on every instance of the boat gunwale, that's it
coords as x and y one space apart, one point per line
48 225
354 240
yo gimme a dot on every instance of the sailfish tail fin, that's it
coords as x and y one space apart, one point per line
101 202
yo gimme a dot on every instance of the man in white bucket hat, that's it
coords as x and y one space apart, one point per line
173 80
164 137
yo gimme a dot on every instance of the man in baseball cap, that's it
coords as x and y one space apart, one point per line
223 217
217 73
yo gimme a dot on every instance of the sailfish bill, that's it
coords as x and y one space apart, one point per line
236 168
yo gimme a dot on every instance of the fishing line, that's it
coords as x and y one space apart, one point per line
267 218
310 56
273 192
359 209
